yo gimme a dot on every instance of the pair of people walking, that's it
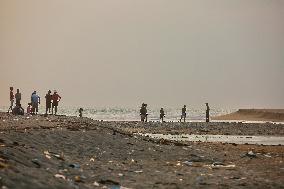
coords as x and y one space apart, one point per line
183 113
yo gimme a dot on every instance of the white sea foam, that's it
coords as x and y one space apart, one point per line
132 114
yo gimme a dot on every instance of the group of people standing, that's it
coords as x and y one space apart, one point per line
144 114
51 103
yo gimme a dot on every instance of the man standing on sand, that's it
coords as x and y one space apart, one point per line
162 114
35 99
18 97
143 112
11 99
207 112
55 99
48 98
183 113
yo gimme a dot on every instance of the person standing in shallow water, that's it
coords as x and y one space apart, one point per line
11 99
55 99
18 97
48 98
162 114
183 113
207 113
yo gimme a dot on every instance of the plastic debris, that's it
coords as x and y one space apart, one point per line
60 176
78 179
74 165
96 184
92 159
36 162
188 163
249 154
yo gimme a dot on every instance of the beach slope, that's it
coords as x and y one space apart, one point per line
276 115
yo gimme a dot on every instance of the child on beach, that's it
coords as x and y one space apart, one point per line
29 108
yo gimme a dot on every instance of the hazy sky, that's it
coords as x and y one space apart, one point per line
229 53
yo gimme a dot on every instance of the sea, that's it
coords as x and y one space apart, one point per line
133 114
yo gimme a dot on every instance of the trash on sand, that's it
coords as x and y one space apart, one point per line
60 157
96 184
267 155
188 163
140 171
74 165
47 155
92 159
36 162
217 163
232 166
60 176
108 182
79 178
249 154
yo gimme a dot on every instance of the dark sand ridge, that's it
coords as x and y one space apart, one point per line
34 150
276 115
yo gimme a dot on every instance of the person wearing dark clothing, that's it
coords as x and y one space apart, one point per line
207 113
18 97
48 98
183 113
80 112
55 99
18 110
162 114
11 99
143 112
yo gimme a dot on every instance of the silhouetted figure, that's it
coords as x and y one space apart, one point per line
143 112
35 100
11 99
18 110
207 113
162 114
18 97
55 99
81 112
183 113
48 98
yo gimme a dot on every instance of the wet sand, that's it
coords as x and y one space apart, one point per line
276 115
69 152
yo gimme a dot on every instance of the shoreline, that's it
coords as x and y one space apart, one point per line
72 152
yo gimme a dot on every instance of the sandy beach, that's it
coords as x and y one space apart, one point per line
255 115
69 152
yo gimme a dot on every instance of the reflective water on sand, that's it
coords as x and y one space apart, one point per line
232 139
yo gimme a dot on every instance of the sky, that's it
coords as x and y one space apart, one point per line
167 53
